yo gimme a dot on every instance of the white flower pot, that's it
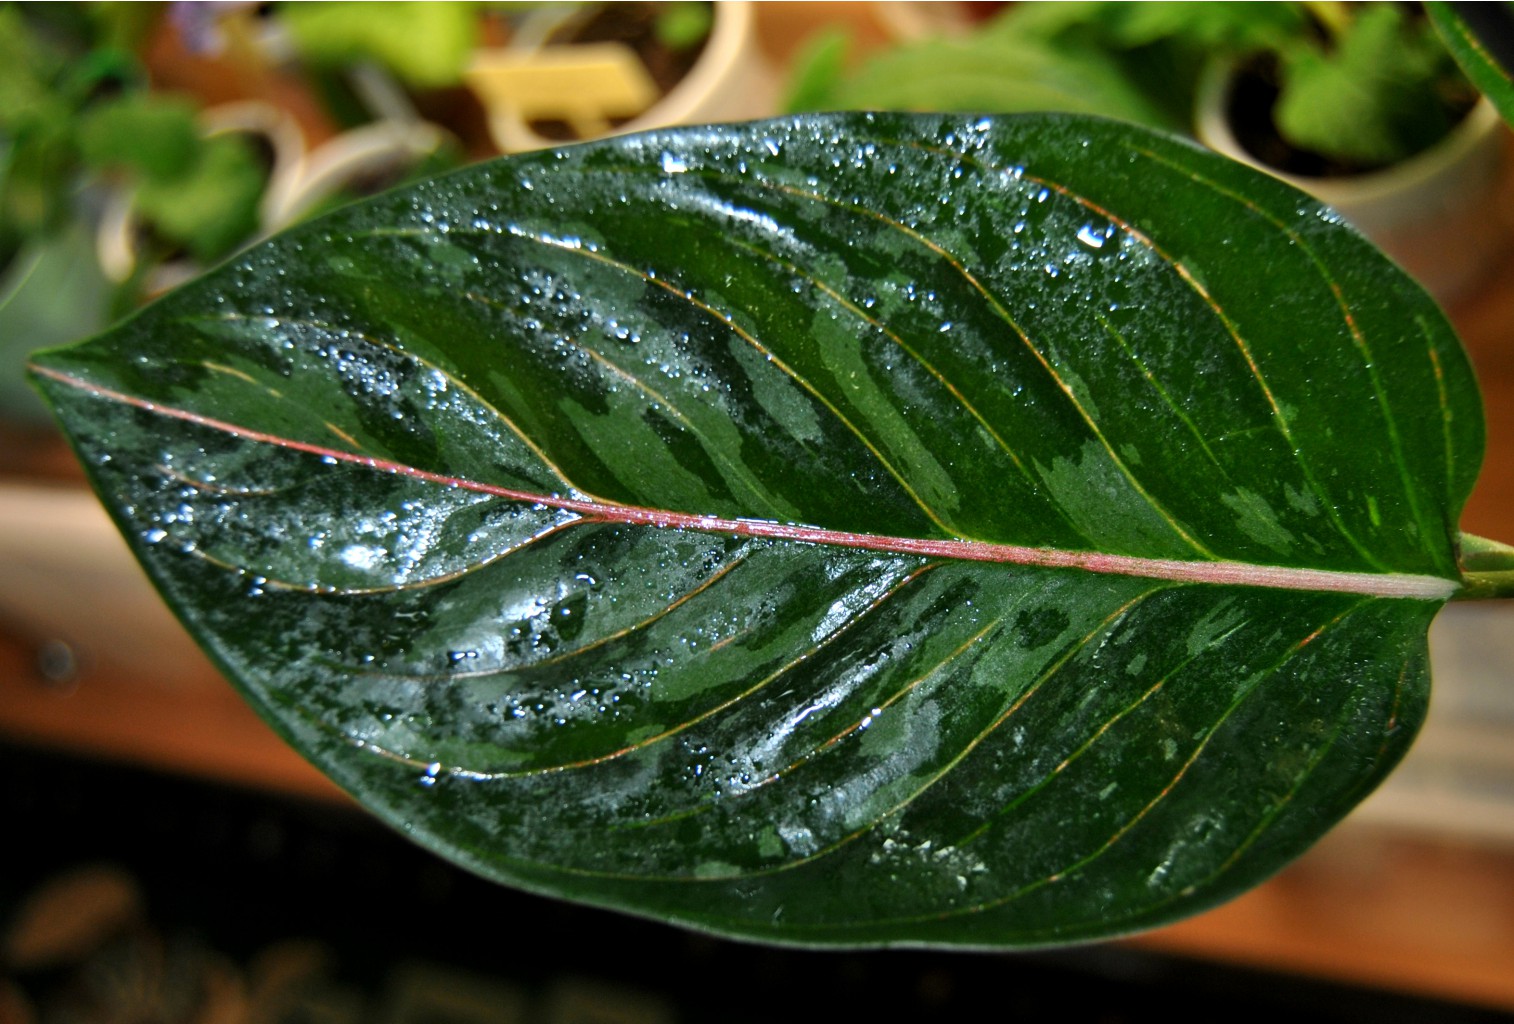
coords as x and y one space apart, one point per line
372 150
730 81
1438 213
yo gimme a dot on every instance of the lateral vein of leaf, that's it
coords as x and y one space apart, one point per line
1395 585
453 380
719 453
971 745
747 337
962 271
682 599
347 438
861 314
1285 798
1279 417
1144 239
1261 827
1187 276
1380 393
814 751
1447 419
561 657
821 748
941 378
1130 229
967 645
766 681
1135 819
1182 771
1004 314
971 643
216 487
1104 728
1357 339
1392 724
405 586
1051 670
1162 392
1272 812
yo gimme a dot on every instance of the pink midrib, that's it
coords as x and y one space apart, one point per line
1394 585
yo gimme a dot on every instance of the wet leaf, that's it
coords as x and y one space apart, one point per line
848 529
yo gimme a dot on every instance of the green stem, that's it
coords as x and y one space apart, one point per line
1487 569
1485 586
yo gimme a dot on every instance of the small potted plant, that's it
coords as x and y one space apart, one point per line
1363 107
1359 104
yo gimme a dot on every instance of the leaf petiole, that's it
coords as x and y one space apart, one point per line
1487 569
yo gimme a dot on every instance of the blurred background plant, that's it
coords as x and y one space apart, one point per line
1360 103
1358 85
77 118
115 183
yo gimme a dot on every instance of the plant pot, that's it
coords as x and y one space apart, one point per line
1437 214
728 82
360 160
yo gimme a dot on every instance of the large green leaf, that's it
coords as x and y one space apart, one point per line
838 530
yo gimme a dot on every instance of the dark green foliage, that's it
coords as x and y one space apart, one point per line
478 491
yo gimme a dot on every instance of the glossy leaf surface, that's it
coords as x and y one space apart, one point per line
846 529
